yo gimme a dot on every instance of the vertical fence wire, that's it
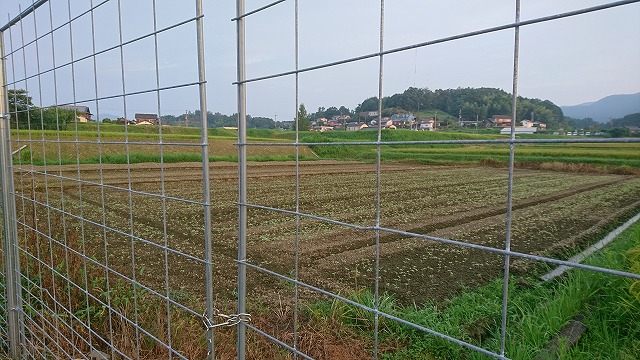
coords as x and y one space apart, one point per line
165 239
296 250
507 245
56 307
376 290
27 192
206 185
12 284
101 172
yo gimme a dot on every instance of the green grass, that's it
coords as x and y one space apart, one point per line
393 135
599 157
607 157
138 158
537 312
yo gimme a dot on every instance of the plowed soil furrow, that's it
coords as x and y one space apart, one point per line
461 203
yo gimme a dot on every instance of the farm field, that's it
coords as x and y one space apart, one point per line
154 234
554 213
603 157
181 144
116 147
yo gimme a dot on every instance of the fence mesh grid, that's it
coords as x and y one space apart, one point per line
119 254
373 228
97 250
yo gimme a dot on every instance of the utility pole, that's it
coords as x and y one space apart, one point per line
186 118
435 122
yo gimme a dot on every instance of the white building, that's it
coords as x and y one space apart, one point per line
519 130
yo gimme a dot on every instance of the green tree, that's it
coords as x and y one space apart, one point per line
618 132
331 112
19 106
303 119
370 104
628 120
25 115
52 118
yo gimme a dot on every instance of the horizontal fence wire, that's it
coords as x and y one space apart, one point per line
373 311
448 241
449 142
103 185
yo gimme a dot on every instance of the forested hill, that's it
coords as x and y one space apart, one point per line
470 103
480 103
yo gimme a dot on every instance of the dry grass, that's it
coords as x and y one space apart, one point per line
576 168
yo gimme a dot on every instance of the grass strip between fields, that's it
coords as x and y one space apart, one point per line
138 158
618 157
537 312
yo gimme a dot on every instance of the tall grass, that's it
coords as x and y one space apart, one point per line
25 157
64 294
537 312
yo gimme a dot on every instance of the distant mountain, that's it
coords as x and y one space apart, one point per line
614 106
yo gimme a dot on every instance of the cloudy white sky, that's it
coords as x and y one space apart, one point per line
568 61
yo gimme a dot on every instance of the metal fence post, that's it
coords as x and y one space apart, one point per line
11 259
242 177
204 136
507 245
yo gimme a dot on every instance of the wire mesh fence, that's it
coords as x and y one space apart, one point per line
122 240
93 245
381 268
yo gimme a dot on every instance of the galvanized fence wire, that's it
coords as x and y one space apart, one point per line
66 299
57 252
506 252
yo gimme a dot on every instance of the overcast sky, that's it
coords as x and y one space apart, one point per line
568 61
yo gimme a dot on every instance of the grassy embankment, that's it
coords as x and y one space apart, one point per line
182 145
85 145
537 312
609 157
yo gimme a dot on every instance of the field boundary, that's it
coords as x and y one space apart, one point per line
560 270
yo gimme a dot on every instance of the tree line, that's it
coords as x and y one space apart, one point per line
24 115
217 120
468 103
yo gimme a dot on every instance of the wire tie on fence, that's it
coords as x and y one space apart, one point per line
228 320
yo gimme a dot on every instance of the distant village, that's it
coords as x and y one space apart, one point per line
410 121
343 122
396 121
